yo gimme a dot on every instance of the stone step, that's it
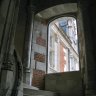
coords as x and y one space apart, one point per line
32 92
33 95
29 87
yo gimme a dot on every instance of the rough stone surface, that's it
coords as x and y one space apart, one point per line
65 84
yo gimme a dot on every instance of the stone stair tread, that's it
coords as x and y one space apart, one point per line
29 87
32 92
33 95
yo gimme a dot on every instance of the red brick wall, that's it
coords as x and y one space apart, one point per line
62 60
38 79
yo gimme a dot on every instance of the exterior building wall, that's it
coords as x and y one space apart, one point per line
62 58
66 67
56 56
66 43
64 83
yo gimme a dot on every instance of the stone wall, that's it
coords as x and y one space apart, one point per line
88 15
65 84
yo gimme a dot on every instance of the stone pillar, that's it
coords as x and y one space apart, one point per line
27 77
7 59
89 48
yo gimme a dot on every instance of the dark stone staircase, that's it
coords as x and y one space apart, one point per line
33 91
58 84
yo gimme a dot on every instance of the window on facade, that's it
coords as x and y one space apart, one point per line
63 54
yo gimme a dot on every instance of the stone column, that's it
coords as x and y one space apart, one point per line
27 77
7 59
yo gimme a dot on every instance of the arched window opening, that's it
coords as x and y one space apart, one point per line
63 55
